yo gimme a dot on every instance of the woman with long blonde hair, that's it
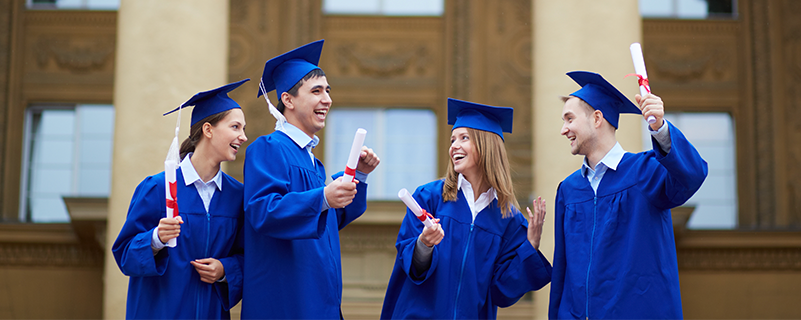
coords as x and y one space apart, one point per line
483 253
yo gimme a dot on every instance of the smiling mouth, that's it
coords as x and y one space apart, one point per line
235 146
458 157
321 113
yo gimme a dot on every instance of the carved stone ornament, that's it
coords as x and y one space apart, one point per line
692 63
391 61
50 255
78 57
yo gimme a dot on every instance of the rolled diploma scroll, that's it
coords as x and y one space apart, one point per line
407 199
169 178
353 158
639 68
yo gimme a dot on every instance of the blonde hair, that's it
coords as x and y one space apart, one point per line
495 167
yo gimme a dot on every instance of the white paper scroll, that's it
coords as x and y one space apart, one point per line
407 199
639 69
353 157
170 187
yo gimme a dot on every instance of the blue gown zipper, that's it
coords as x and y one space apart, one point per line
589 262
461 273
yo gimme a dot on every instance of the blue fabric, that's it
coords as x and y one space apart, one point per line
211 102
478 267
283 72
293 266
615 255
602 95
166 286
480 116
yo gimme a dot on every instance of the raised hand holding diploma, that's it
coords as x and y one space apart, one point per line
432 232
353 157
170 186
642 75
419 212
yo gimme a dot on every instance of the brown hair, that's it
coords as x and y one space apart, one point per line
196 132
493 161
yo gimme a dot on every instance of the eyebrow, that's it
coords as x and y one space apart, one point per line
320 86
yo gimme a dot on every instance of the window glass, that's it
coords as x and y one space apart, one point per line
712 134
688 9
404 139
67 152
74 4
384 7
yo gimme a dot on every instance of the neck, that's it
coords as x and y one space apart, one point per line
479 185
290 118
205 166
603 147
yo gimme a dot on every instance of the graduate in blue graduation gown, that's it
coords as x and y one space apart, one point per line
293 266
615 255
483 254
201 277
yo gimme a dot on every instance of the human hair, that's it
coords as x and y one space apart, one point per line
294 90
196 132
494 164
587 107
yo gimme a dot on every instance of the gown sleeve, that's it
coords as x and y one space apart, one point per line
272 207
520 268
559 260
680 175
230 292
132 249
410 229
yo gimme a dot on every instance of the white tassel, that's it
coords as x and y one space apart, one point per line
279 117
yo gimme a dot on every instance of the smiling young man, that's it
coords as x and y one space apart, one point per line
292 219
614 255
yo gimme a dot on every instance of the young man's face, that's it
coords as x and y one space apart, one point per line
577 126
310 107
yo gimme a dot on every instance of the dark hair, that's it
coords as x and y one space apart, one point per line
294 91
196 132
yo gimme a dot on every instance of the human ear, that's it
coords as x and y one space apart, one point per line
207 130
598 118
286 98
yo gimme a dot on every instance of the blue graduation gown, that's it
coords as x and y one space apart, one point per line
478 267
292 256
615 256
166 286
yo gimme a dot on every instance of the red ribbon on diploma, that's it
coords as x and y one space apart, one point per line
350 171
173 203
642 81
425 214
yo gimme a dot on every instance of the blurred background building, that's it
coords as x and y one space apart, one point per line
83 84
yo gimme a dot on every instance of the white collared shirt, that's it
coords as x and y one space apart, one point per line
204 189
612 158
483 201
301 139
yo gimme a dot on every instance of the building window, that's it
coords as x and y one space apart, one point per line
689 9
712 134
74 4
384 7
404 139
67 152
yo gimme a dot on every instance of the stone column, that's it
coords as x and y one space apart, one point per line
166 52
573 35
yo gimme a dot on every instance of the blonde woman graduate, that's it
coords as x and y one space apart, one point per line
483 253
201 276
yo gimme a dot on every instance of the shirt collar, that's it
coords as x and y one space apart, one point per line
610 160
300 137
463 182
190 174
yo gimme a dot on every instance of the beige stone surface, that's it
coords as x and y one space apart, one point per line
166 52
575 35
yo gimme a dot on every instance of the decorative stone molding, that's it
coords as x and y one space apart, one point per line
72 55
372 61
50 255
729 259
